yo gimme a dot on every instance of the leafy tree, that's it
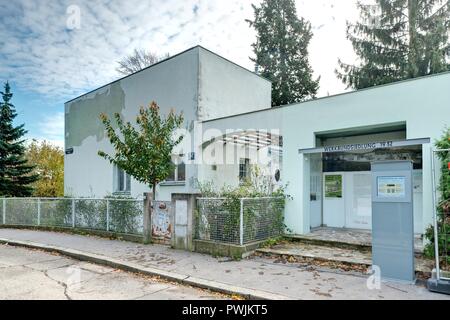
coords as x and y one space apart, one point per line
397 40
145 152
281 51
15 173
443 205
444 157
138 60
48 161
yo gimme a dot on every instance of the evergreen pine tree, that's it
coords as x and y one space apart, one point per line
281 51
397 40
15 174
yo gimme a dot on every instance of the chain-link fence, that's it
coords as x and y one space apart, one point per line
441 200
239 220
114 215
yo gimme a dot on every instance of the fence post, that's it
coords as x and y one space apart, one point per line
4 211
241 224
73 213
107 214
38 211
147 217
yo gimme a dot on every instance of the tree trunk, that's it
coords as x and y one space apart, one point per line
413 69
148 213
154 191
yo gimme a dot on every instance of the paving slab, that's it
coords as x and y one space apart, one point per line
59 278
254 274
346 237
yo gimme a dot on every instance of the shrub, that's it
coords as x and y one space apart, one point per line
263 218
443 207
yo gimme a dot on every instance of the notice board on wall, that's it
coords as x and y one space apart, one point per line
391 187
333 186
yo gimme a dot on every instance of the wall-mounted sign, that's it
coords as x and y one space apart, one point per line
69 151
359 146
391 187
333 186
365 146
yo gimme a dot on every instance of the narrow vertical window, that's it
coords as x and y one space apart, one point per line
244 169
178 173
122 181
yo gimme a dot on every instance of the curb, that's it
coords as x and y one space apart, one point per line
251 294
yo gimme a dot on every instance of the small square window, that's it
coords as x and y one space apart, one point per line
178 173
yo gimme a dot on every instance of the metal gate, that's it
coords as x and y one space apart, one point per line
440 163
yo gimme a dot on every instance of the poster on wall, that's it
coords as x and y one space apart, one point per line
161 226
391 187
333 186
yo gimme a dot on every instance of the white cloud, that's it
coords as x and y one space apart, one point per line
52 129
39 53
58 143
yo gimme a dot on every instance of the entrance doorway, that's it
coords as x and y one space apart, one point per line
340 185
347 200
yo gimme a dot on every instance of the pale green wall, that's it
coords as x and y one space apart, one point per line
82 115
423 104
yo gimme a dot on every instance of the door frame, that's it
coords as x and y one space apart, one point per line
336 221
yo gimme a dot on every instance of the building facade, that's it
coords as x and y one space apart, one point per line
196 82
320 149
329 143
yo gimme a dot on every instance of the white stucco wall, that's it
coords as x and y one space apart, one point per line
423 104
196 82
172 84
227 89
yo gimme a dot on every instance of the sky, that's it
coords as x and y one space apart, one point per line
49 56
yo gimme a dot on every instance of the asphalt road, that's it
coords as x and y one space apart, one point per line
35 275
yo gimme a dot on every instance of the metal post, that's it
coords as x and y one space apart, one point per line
39 212
73 213
436 242
4 211
241 224
107 214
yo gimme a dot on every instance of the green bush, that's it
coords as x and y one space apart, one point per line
443 208
125 215
263 218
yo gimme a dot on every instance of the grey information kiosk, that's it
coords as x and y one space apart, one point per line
392 220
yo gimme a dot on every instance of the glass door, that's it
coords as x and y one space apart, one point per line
333 199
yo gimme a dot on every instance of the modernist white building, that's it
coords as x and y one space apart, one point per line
196 82
321 149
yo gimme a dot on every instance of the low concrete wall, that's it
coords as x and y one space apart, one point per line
219 249
99 233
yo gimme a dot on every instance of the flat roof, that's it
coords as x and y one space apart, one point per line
335 95
165 60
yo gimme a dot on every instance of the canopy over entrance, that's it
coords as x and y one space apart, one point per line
252 138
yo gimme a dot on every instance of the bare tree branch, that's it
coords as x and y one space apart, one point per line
139 60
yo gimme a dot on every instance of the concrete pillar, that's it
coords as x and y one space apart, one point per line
147 238
183 208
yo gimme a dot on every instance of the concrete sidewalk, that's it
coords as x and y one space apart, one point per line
255 277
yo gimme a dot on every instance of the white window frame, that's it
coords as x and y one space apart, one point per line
176 178
125 188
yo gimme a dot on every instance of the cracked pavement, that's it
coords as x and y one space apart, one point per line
293 280
36 275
